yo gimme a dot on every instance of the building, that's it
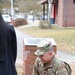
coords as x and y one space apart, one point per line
62 12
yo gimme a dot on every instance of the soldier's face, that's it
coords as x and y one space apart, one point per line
46 58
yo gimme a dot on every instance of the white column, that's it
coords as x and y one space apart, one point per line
49 9
12 9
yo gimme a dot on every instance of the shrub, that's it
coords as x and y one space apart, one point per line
19 22
44 24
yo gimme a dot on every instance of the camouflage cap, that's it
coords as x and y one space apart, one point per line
43 46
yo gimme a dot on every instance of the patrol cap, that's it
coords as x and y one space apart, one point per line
43 46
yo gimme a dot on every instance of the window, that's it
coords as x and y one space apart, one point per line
73 1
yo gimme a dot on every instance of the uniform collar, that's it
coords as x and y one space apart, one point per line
49 65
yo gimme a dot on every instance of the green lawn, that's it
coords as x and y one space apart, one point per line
64 37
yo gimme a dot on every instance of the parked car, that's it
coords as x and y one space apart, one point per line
18 16
31 17
6 18
45 17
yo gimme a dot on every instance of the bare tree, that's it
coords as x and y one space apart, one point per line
4 4
28 5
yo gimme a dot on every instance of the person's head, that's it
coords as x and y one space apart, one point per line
2 22
45 51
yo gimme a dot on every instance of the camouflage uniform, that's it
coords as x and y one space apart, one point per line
56 67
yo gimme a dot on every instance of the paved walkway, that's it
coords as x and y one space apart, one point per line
19 61
20 37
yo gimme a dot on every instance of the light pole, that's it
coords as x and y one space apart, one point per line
12 9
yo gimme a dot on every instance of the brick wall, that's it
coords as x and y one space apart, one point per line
29 47
28 59
66 13
70 13
60 13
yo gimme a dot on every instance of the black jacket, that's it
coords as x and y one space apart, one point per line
8 49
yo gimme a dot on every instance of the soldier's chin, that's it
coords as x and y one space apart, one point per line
43 62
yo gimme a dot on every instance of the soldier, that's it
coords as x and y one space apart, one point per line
47 63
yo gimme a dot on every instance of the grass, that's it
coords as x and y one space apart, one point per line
64 37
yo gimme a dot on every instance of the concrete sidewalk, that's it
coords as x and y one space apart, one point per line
19 61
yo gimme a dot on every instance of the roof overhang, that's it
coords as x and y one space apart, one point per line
42 2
